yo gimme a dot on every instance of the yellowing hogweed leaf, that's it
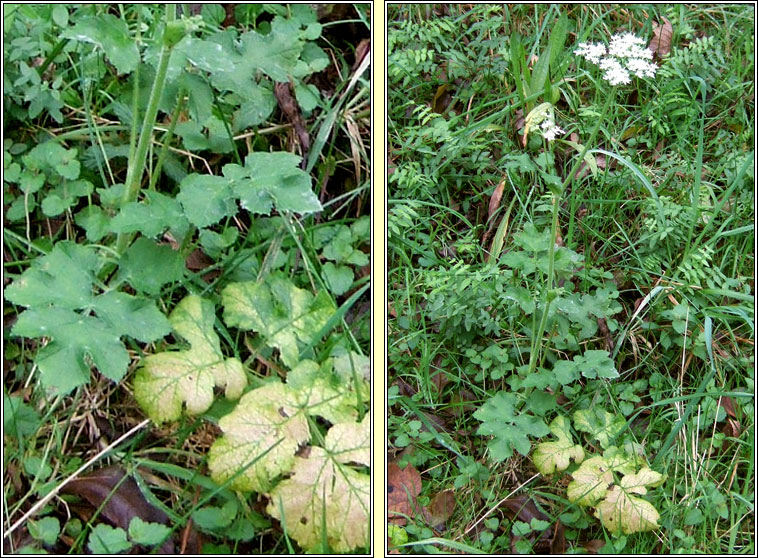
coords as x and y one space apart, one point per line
621 511
321 394
324 492
167 380
263 433
618 508
591 482
551 456
261 436
278 310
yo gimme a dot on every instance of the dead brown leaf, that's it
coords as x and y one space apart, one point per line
439 381
524 509
660 44
403 487
558 542
728 404
497 195
440 509
285 97
594 546
120 500
363 48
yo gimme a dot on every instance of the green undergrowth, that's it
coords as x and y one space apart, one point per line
187 239
571 322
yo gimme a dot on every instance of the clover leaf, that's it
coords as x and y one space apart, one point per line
323 492
167 380
549 457
284 314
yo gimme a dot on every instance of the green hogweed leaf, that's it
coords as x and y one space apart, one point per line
284 314
148 266
596 364
510 427
550 457
599 424
160 213
133 316
206 199
94 221
75 341
272 180
64 277
324 491
112 35
167 380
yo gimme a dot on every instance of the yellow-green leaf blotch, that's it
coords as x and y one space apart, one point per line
166 381
550 457
324 491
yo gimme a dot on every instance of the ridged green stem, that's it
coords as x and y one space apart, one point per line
538 344
137 166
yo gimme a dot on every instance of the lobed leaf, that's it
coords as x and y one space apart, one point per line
63 277
591 482
112 35
509 427
599 424
261 436
76 340
323 492
264 431
284 314
549 457
168 380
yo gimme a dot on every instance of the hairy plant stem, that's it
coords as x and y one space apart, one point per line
137 165
539 345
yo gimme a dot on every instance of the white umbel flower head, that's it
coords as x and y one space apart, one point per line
592 52
542 118
625 54
550 130
615 73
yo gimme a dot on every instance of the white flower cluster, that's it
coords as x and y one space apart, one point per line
626 53
550 130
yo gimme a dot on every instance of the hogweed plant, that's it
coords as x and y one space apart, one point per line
620 511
